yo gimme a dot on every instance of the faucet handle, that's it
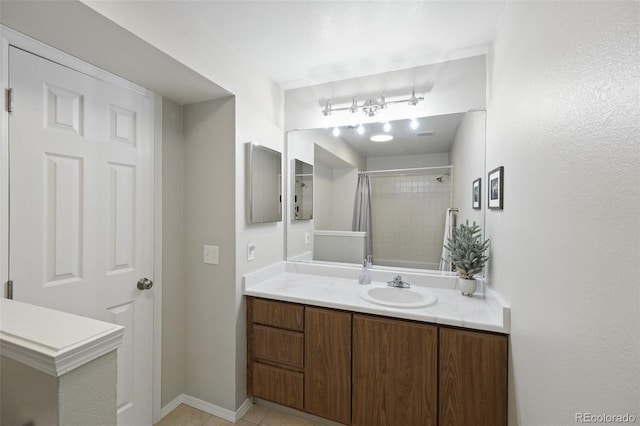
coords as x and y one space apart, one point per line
397 282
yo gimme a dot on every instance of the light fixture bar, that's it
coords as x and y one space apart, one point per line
370 107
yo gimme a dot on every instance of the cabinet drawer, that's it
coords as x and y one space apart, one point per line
278 314
278 345
278 385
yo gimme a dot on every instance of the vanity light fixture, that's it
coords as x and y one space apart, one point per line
413 124
371 106
386 127
360 129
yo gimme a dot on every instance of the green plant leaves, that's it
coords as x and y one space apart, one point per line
466 250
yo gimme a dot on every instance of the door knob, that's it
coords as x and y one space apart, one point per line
144 284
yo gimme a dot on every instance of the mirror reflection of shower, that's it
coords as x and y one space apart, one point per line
452 145
408 215
302 191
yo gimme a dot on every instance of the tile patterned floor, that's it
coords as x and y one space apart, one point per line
185 415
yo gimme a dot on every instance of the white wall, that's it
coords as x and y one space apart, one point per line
345 182
172 252
322 195
407 161
467 158
448 87
339 149
300 147
563 119
87 394
258 117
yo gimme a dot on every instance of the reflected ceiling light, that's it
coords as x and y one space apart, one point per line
381 138
413 124
360 129
386 127
335 132
372 106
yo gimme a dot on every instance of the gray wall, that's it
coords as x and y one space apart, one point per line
209 215
85 395
563 119
172 251
27 395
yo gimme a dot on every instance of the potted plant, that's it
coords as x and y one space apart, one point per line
466 253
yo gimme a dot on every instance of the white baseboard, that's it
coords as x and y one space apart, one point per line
223 413
246 406
171 406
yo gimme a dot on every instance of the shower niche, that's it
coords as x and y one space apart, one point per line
302 190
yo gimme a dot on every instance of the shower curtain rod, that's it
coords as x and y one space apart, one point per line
416 169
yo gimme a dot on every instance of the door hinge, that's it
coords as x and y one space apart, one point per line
9 289
10 100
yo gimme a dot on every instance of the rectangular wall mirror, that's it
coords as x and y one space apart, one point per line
302 190
413 180
265 185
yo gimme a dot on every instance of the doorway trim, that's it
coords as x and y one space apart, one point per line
10 37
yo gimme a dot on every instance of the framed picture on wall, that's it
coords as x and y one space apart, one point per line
495 187
477 184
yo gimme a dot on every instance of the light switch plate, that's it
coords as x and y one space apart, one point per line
251 251
211 255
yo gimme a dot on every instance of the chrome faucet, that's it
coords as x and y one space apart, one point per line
397 282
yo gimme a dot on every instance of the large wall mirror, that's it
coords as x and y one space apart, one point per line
415 177
265 185
302 190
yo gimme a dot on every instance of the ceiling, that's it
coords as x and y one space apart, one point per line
302 43
433 135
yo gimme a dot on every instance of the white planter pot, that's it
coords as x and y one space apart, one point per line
467 287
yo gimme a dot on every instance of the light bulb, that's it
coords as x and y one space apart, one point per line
381 138
413 124
336 132
360 129
386 127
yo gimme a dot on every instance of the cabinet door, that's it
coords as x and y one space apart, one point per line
327 374
394 372
473 378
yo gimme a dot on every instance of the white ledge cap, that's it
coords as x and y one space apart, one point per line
51 341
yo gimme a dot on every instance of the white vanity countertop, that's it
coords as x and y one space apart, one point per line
337 287
51 341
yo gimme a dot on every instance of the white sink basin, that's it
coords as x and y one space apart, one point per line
408 298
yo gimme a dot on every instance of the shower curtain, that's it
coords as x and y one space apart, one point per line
362 210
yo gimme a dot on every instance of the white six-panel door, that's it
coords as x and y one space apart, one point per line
81 208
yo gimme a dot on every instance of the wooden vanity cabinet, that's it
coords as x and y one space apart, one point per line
327 374
368 370
473 378
394 372
275 337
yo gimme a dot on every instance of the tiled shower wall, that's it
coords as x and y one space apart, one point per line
408 215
